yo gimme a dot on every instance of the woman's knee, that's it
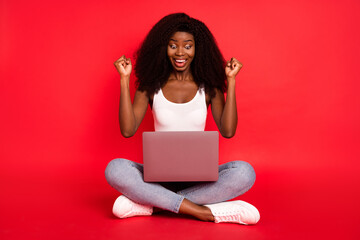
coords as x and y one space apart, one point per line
115 170
245 173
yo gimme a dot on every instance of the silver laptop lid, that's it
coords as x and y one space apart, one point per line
180 156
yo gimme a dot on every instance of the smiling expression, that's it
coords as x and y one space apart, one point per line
181 50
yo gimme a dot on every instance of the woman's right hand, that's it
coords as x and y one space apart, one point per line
123 65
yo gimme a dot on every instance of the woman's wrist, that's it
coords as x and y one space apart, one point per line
124 81
231 81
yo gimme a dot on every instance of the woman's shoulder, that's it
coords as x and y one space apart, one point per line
144 96
211 96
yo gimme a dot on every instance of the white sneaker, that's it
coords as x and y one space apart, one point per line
235 211
124 208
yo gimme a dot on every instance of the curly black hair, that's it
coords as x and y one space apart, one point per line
153 67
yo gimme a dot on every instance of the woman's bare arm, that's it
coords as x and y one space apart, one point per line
225 112
130 114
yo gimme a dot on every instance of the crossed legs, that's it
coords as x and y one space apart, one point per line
235 178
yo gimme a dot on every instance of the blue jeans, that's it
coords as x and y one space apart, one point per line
235 178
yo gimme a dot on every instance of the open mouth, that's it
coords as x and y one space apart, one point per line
180 62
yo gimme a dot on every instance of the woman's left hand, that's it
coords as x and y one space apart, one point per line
232 68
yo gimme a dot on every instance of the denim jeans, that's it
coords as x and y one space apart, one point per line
235 178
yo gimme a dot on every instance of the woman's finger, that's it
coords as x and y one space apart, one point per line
121 58
236 63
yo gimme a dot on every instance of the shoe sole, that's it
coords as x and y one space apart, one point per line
251 208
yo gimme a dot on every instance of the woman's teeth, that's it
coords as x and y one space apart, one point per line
180 62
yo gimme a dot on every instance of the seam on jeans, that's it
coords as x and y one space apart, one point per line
231 165
243 190
130 163
134 165
178 203
224 172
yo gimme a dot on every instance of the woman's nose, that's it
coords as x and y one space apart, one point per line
180 51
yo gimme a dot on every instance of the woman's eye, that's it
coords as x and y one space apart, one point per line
173 46
188 46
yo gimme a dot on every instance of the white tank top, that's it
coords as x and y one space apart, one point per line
170 116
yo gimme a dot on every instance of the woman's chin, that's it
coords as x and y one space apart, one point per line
180 69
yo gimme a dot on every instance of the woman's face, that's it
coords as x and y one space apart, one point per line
181 50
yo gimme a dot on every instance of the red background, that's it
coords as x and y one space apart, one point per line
298 107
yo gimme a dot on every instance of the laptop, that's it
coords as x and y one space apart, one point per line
178 156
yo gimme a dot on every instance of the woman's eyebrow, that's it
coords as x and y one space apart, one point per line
184 40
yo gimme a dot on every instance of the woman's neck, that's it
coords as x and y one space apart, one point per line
181 76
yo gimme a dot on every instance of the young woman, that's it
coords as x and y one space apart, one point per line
180 72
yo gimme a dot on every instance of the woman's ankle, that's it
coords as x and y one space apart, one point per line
198 211
206 215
